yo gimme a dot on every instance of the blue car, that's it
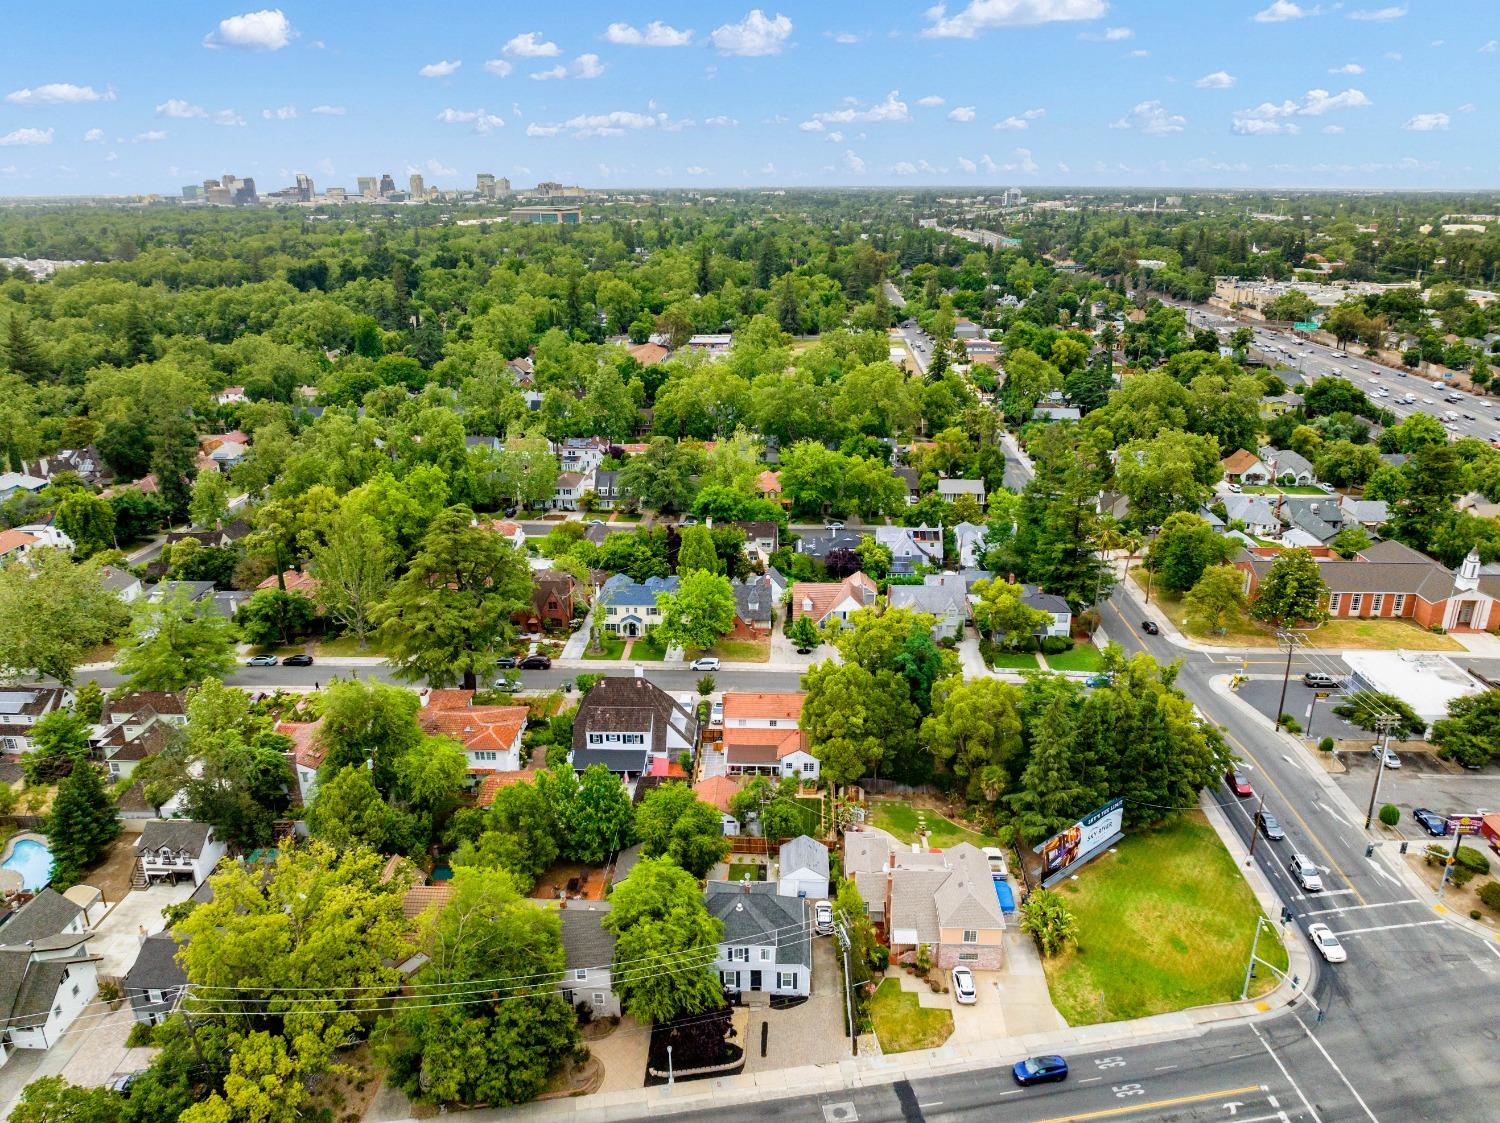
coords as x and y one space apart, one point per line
1039 1070
1097 680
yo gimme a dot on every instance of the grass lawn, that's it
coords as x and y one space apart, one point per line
900 819
1014 661
1083 657
613 647
1164 923
1270 489
738 870
743 650
812 817
1380 634
344 646
902 1025
647 651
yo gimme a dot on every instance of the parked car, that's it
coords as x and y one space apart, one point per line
1039 1070
716 714
823 917
1304 873
965 993
1097 680
1318 680
508 683
1266 823
1391 759
122 1084
1234 487
297 661
1327 943
536 663
1430 821
1238 783
505 662
261 661
705 663
833 524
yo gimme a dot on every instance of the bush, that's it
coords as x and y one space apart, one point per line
585 682
1434 855
1055 645
1473 914
1472 860
1290 724
1326 745
1489 894
1390 814
1460 875
140 1034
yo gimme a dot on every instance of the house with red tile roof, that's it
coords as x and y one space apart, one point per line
762 736
490 735
296 582
649 354
768 483
718 791
827 601
305 756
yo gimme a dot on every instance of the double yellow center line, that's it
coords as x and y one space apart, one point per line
1134 1108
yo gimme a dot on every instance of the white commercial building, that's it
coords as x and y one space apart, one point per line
1425 681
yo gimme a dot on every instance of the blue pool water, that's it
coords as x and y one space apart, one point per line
32 860
1005 896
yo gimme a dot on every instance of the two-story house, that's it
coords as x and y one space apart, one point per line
607 491
762 538
23 707
581 454
826 602
630 608
767 944
490 735
911 546
626 721
136 726
305 756
754 606
1053 605
762 737
156 979
569 489
590 951
170 849
950 490
551 600
47 975
942 596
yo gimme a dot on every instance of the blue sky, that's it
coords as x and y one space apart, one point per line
104 97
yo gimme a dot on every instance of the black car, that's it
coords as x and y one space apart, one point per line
1433 823
1266 823
505 662
297 661
1150 628
1039 1070
536 663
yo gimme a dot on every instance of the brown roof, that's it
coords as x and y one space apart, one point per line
492 782
449 699
165 702
768 482
296 582
307 749
616 703
1239 461
825 594
15 539
1384 567
421 898
717 790
569 479
761 746
649 354
479 727
763 705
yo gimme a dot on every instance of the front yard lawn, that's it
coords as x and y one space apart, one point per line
647 651
901 1024
1014 661
743 650
1164 923
1294 489
345 646
612 647
900 820
1083 657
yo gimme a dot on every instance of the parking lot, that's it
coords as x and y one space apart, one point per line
1264 693
1421 781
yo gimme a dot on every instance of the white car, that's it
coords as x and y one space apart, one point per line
1391 759
964 991
1327 943
705 663
823 918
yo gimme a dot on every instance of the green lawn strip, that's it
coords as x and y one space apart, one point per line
738 871
743 651
812 815
901 820
1083 657
646 651
1164 923
1014 661
901 1024
347 646
613 648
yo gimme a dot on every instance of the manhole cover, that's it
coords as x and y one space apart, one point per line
840 1113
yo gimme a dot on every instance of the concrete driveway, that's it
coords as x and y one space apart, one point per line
117 937
807 1034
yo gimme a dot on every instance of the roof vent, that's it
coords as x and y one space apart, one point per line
739 906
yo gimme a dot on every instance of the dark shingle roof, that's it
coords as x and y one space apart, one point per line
753 913
631 760
46 914
616 703
585 940
174 834
155 968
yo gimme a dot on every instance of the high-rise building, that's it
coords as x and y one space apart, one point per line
417 187
387 184
245 194
502 186
484 185
304 187
192 191
368 185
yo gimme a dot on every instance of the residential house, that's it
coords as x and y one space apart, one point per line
942 595
509 531
767 944
21 708
17 542
944 900
818 544
969 538
227 455
551 600
582 455
630 607
950 490
132 728
1242 467
754 607
648 354
912 482
715 345
966 329
762 736
1288 466
293 581
1115 504
718 791
911 546
47 914
626 721
1390 579
1054 605
47 976
1056 413
86 463
171 848
803 869
607 493
569 490
761 538
768 483
13 482
589 950
305 756
490 735
829 601
155 979
483 441
1257 512
230 395
124 584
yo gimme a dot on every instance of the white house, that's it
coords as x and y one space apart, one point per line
941 595
762 736
629 608
23 707
43 988
950 490
625 723
969 537
828 601
911 546
804 869
1053 605
171 848
490 735
590 951
767 943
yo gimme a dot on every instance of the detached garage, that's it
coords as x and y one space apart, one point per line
804 869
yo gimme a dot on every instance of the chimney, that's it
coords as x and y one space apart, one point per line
640 673
745 889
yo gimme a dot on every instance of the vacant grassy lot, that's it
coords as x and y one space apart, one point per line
900 819
902 1025
1083 657
1164 923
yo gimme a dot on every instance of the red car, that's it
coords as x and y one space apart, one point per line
1241 786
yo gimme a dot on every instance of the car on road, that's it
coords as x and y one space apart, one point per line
505 662
1304 873
536 663
1238 783
1428 402
705 663
1469 417
1039 1070
833 524
261 661
1391 759
1319 680
1266 823
1327 943
1150 628
297 661
1430 821
823 918
964 991
1097 680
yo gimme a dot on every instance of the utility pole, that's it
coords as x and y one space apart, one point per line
1290 639
1250 963
843 935
1384 725
1458 840
1255 825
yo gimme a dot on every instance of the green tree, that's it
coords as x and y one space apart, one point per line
975 729
59 742
520 835
1185 547
89 521
88 701
446 618
52 614
349 812
804 633
659 917
1047 920
855 720
1001 614
673 823
602 817
1293 305
1349 541
662 477
1057 784
177 643
1369 708
696 552
368 723
1218 597
209 505
1293 592
51 1099
1470 733
272 617
81 824
698 613
355 568
1170 473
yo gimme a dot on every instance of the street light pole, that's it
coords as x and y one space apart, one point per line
1290 639
1385 725
1250 963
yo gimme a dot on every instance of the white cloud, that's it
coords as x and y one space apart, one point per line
1280 11
1378 14
854 162
905 167
176 107
1025 162
1270 118
150 136
1152 118
1218 80
847 38
1262 126
1331 130
440 69
1115 34
1466 107
1348 68
961 113
530 45
282 113
26 137
890 109
584 66
1140 53
930 101
1428 123
482 120
985 15
753 36
1489 48
968 165
94 136
266 30
694 169
58 93
499 67
542 130
720 121
226 117
1019 121
329 110
616 123
437 167
654 34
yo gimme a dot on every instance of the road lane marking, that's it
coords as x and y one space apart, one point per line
1132 1109
1390 927
1295 1086
1334 1065
1375 905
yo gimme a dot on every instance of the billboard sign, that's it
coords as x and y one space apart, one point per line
1464 824
1071 847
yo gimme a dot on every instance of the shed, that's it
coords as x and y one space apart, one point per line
804 869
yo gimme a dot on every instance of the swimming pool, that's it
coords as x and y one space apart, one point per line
32 860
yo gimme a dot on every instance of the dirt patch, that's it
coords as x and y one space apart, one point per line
576 1080
573 880
1461 900
348 1095
112 876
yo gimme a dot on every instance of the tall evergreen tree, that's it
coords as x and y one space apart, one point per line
81 825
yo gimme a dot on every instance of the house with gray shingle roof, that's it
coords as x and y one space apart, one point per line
155 979
630 607
169 849
590 951
942 596
47 914
1256 512
946 900
1283 462
767 942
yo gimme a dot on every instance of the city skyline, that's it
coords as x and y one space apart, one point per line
1088 93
